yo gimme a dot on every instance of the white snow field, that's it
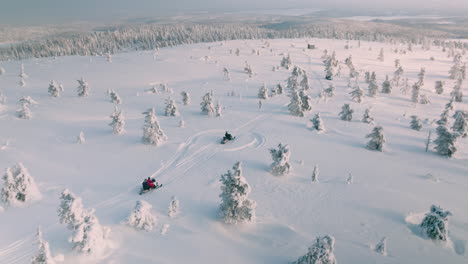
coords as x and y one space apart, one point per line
390 193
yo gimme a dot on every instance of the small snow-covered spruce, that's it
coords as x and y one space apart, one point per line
372 88
415 123
381 55
330 64
248 70
381 247
352 70
227 76
357 93
280 156
54 89
80 139
305 82
185 97
263 92
366 117
141 217
118 121
377 139
306 101
218 109
207 106
386 86
83 88
415 92
346 113
24 112
439 87
22 74
330 91
445 141
435 224
70 211
317 123
114 97
279 89
421 75
405 86
460 126
457 92
315 174
286 62
171 108
90 236
321 252
152 132
397 76
19 186
295 106
235 206
173 207
43 255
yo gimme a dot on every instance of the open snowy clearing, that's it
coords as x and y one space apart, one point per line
390 193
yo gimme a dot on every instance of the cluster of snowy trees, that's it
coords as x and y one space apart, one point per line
300 101
18 187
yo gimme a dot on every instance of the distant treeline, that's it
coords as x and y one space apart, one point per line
152 36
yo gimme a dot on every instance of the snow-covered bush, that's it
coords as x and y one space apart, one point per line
460 126
118 121
321 252
386 86
366 117
173 210
415 92
152 132
114 97
280 156
346 113
445 141
435 224
19 187
235 206
415 123
24 112
439 87
43 255
54 89
315 174
357 93
171 108
263 92
83 88
207 105
218 109
317 123
377 139
141 217
295 106
185 97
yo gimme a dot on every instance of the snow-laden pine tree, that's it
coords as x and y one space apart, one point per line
460 126
118 121
381 247
263 92
173 210
185 97
386 86
445 141
248 70
352 70
286 62
141 217
54 89
19 187
456 70
171 108
218 109
381 56
24 112
346 113
280 157
70 211
83 88
330 64
377 139
435 224
315 174
457 92
306 101
357 93
235 206
43 255
367 76
317 123
415 92
415 123
207 105
421 76
279 89
227 75
22 73
152 132
439 87
366 117
305 82
321 252
397 75
80 139
295 106
330 91
114 97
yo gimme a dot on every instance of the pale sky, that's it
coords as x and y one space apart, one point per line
52 11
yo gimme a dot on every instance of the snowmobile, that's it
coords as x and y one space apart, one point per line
227 137
147 187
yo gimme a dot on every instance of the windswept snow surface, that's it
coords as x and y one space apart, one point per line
388 187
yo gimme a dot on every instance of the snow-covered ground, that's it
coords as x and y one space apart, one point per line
390 192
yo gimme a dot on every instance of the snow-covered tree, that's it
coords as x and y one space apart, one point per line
330 64
185 98
377 139
386 86
80 139
445 141
435 224
321 252
381 56
405 86
457 92
330 91
114 97
352 70
397 75
456 70
415 92
43 255
315 174
421 76
280 156
381 247
295 106
305 82
54 89
263 92
415 123
286 62
460 126
70 211
346 113
218 109
306 101
227 75
279 89
171 108
24 112
152 132
248 70
173 210
22 74
207 106
423 99
19 186
83 88
118 121
141 217
366 117
439 87
357 93
317 123
373 87
235 206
